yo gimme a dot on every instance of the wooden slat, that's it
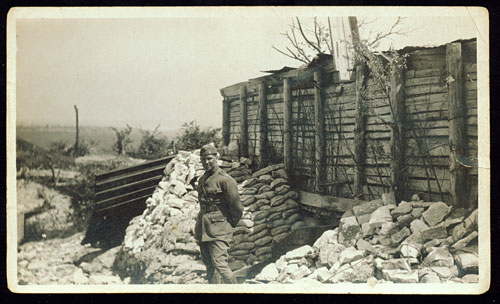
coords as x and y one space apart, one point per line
108 193
145 165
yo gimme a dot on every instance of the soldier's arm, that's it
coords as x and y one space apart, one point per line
233 200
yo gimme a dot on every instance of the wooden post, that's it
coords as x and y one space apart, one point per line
456 113
319 123
263 153
226 123
76 140
359 134
243 123
398 171
287 125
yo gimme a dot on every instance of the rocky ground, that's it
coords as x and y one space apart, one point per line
62 261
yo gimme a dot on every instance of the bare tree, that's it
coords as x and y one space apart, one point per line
307 42
122 139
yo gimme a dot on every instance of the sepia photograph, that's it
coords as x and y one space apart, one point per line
261 149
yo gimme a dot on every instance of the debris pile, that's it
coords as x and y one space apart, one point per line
159 245
414 242
270 214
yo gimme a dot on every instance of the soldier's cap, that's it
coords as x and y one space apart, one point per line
208 150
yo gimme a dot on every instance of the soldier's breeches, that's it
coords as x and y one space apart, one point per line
214 255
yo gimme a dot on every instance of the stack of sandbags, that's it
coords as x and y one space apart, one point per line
270 214
377 241
239 169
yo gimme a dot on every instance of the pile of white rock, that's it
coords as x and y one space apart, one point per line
159 245
414 242
270 213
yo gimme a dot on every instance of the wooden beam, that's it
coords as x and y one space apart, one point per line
319 136
398 171
226 124
263 152
456 113
287 125
359 134
243 123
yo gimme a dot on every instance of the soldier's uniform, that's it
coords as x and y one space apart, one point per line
220 211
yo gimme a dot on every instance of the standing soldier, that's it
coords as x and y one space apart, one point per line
220 211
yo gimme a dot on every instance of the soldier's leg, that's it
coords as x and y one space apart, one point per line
207 260
218 250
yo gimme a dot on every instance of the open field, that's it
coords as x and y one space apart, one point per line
100 138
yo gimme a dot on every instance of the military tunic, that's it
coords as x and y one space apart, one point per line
220 210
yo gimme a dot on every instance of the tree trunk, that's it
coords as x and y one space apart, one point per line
76 141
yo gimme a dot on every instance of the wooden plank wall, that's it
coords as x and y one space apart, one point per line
425 129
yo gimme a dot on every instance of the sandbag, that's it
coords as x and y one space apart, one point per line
278 182
292 194
257 228
265 188
279 173
259 215
274 216
276 223
247 200
289 212
262 202
265 195
249 191
251 259
263 241
277 200
264 207
265 257
239 238
240 252
280 229
263 250
282 190
297 225
249 182
259 235
266 178
293 218
240 229
279 237
243 246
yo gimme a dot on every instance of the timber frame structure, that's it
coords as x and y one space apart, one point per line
348 139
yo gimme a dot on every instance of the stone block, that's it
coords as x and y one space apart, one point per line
349 231
430 278
329 254
389 228
400 276
380 216
467 262
437 232
470 278
268 273
365 218
388 198
364 245
350 254
392 264
402 209
298 252
405 220
439 257
399 236
366 208
417 212
418 226
436 213
445 272
367 229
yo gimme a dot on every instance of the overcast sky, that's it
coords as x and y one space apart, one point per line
169 69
